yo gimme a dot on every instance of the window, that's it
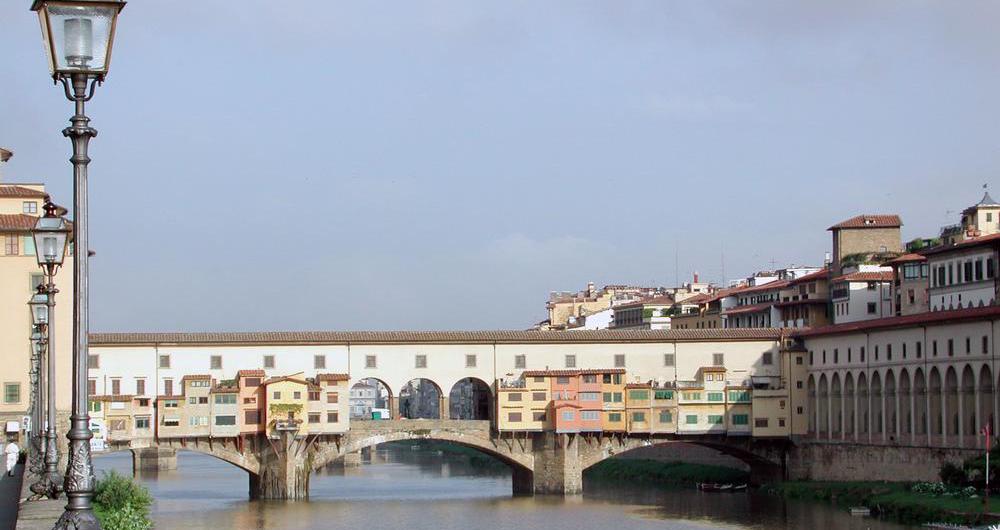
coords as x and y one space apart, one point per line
277 394
540 416
171 422
862 354
215 363
836 355
739 395
420 361
691 396
590 396
968 345
589 378
919 350
741 419
95 406
663 394
888 352
514 396
140 387
798 359
715 396
799 410
562 380
979 269
225 421
319 362
767 358
370 361
168 387
951 347
171 404
314 417
251 417
29 207
198 421
798 384
781 422
539 379
639 395
297 395
470 361
590 415
718 359
314 395
268 361
92 386
164 361
614 417
333 417
192 400
619 360
568 415
760 423
571 361
117 424
249 400
691 419
252 382
668 359
12 392
872 308
225 399
11 248
142 422
520 361
514 416
538 396
116 387
639 416
666 416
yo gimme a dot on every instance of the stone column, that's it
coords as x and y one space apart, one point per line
284 472
352 459
443 413
961 414
558 467
153 459
979 408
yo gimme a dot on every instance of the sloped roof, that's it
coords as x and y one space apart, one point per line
332 377
9 191
17 222
431 337
870 221
871 276
931 317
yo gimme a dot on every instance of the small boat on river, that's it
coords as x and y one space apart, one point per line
720 488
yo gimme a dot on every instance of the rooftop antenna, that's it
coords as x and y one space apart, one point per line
677 266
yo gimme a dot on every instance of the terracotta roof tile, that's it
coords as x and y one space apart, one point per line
602 371
875 276
870 221
905 258
751 308
932 317
250 373
195 377
550 373
818 275
17 222
433 337
968 243
10 191
639 385
332 377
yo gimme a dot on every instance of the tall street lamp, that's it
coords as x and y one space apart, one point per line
51 235
46 485
78 37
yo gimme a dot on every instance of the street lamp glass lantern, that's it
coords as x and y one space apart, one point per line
51 236
39 305
78 34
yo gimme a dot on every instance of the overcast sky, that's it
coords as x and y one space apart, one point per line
444 165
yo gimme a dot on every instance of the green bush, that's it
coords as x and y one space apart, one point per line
126 518
122 504
952 475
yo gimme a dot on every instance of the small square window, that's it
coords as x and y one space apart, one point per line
12 392
767 358
470 361
668 359
370 361
216 362
268 361
421 361
520 361
718 359
319 362
93 361
29 207
571 361
619 360
164 361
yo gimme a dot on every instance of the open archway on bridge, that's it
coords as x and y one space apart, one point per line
421 399
470 399
370 395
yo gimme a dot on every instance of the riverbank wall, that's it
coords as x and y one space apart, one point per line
850 462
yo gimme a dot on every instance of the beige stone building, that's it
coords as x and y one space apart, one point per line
864 236
20 205
980 219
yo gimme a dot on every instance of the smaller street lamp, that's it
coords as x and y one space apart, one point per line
36 464
51 235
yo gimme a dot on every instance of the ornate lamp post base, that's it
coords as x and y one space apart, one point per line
48 486
82 520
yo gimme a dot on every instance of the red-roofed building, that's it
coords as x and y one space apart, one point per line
964 275
910 284
805 301
862 294
865 235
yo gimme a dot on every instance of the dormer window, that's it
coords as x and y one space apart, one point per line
29 207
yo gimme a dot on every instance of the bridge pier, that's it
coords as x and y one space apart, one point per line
153 459
558 465
352 459
284 469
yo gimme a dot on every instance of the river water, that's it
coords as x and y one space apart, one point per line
424 489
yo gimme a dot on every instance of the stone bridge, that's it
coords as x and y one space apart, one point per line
541 463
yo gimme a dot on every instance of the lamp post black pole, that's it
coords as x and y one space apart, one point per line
36 465
79 486
52 476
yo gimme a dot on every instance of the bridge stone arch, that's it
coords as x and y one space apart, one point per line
162 454
477 405
765 458
467 433
411 408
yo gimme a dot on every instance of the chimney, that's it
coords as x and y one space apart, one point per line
5 155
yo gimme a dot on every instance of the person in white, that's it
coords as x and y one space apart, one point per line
12 451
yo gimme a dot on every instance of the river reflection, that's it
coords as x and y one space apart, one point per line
423 489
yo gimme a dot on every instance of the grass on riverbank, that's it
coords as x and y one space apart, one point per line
657 472
892 500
